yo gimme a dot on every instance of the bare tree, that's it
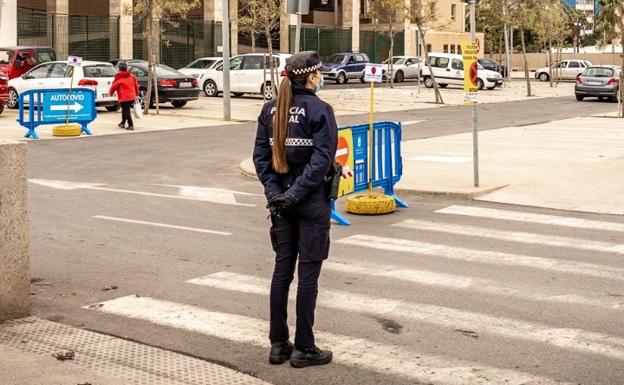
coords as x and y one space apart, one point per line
391 14
612 19
523 16
152 13
424 14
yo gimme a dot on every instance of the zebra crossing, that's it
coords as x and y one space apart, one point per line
408 248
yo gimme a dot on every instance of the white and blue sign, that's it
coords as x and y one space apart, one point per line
56 106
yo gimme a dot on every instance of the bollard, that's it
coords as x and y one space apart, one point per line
15 299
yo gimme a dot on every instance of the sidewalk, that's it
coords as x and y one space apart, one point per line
574 164
27 345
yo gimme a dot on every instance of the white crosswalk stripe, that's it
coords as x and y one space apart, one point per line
483 256
519 216
350 351
512 236
582 341
458 282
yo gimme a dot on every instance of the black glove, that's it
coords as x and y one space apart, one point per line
280 204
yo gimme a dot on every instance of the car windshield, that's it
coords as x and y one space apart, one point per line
396 60
598 72
99 71
336 59
164 71
6 56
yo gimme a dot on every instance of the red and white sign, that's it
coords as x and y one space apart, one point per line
342 152
74 61
373 73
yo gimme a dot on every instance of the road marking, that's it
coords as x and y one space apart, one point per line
156 224
441 159
209 194
512 236
483 256
574 339
519 216
459 282
66 185
352 351
410 122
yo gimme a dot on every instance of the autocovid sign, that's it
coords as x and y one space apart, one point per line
471 73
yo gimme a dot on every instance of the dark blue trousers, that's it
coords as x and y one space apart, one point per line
302 235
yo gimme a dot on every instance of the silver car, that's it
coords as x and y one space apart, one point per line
598 81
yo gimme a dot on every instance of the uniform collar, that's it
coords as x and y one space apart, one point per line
302 90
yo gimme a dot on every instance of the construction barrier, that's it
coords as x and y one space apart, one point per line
54 106
353 154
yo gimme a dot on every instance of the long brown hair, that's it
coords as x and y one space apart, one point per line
280 121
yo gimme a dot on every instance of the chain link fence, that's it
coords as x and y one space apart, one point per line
377 45
324 40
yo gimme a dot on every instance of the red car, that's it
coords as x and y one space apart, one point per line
4 90
16 61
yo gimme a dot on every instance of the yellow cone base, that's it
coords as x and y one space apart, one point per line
375 204
67 130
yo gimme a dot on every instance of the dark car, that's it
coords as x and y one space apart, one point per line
173 86
491 65
116 61
4 90
345 66
598 81
16 61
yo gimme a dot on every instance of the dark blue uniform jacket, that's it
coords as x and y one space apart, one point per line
310 146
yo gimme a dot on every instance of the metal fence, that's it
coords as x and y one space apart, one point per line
324 40
377 45
91 37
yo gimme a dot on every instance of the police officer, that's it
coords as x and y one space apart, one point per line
293 154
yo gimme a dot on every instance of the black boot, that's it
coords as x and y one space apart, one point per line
280 352
130 128
122 125
309 357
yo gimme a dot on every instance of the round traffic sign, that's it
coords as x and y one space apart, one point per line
342 152
474 74
373 70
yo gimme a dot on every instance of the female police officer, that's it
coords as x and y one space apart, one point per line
294 152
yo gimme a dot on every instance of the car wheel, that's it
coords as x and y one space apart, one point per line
480 84
399 77
442 85
13 102
491 88
428 80
178 103
210 88
613 99
114 108
342 78
238 94
362 79
267 91
543 77
142 96
1 108
579 98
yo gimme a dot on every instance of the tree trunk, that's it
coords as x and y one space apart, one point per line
267 33
149 38
550 59
391 59
526 63
253 42
621 86
438 95
506 38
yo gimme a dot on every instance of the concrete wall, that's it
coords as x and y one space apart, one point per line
8 23
14 232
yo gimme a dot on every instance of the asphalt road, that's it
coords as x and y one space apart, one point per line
415 297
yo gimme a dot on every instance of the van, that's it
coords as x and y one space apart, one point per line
449 69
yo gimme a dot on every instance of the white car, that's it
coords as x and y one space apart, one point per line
200 66
449 69
567 69
97 76
404 67
249 74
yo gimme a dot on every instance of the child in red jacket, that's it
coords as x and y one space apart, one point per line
127 89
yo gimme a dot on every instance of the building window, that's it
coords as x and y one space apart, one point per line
453 11
446 48
452 48
429 48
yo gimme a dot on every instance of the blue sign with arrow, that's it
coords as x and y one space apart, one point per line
56 106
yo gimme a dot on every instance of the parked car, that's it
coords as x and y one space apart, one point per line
568 70
4 90
173 86
128 61
345 66
16 61
57 74
449 69
404 67
249 74
491 65
598 81
199 66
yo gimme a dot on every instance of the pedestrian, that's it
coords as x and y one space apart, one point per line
127 89
294 153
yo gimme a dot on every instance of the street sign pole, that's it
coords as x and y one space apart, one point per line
225 41
298 33
475 129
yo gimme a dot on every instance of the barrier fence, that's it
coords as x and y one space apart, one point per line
353 155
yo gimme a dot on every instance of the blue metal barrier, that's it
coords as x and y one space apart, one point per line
387 167
54 106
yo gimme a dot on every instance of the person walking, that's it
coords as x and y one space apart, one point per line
127 89
294 153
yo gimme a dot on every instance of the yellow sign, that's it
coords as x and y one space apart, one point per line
344 156
471 78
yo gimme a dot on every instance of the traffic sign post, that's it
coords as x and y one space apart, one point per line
475 127
298 7
57 106
373 73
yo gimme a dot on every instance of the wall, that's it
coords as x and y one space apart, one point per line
444 15
538 60
8 23
437 40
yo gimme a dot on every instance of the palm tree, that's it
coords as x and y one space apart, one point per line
611 18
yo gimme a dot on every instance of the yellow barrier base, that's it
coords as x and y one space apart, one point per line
375 204
67 130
